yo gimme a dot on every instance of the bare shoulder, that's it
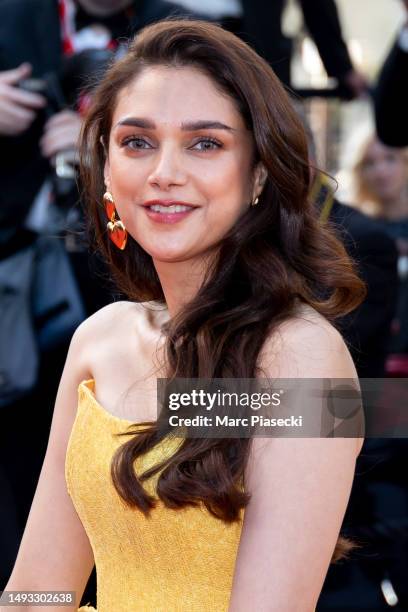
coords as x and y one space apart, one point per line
120 339
308 323
307 345
95 328
115 313
118 317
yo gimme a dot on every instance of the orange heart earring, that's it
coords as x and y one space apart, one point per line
117 231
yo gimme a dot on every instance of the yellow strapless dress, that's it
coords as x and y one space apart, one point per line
174 560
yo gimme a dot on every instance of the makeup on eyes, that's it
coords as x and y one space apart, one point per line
141 139
188 126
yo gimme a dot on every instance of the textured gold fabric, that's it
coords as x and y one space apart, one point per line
173 560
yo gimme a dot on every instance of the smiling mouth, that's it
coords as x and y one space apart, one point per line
168 213
174 208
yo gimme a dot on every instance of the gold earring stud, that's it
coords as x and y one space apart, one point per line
255 202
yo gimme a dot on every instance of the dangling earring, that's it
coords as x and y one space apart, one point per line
255 202
117 231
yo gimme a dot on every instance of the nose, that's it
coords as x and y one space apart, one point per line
167 169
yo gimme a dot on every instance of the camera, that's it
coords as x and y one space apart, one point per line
78 75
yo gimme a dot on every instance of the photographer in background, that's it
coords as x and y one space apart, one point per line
36 38
48 48
262 28
391 95
374 577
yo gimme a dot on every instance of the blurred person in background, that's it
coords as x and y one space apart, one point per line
41 110
367 328
391 92
259 23
37 38
380 176
381 183
262 27
374 578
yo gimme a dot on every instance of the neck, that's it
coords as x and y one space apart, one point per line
180 281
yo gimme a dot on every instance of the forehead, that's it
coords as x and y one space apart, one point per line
173 95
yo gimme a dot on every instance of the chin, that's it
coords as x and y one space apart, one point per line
169 257
166 254
387 195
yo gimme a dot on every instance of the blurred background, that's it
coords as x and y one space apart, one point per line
345 64
369 29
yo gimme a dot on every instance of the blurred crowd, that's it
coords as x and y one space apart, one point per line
52 53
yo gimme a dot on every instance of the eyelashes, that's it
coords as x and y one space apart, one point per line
130 139
215 144
212 141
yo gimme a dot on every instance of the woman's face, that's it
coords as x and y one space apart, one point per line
176 138
384 171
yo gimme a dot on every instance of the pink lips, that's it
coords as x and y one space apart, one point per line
170 217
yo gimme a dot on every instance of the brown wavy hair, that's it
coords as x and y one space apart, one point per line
274 255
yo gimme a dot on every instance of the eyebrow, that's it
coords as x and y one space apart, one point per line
189 126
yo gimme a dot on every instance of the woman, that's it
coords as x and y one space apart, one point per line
381 182
196 175
381 185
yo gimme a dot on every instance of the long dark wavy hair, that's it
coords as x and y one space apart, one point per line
274 255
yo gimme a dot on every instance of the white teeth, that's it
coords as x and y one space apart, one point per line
174 208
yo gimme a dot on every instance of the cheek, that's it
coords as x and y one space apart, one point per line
229 184
400 174
127 185
126 176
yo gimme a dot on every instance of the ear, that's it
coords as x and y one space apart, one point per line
260 176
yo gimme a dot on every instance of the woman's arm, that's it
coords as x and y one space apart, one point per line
300 487
55 553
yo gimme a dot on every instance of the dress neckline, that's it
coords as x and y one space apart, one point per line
87 387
